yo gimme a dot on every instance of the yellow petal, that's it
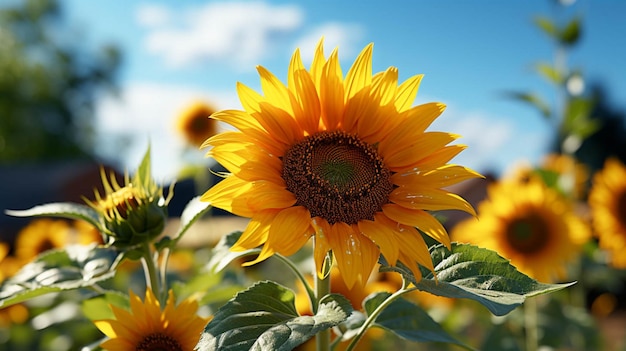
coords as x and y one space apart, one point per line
290 230
407 92
317 65
228 195
406 155
384 88
412 128
429 199
380 233
332 93
439 177
275 91
420 219
256 232
355 254
360 74
303 95
413 247
322 246
264 195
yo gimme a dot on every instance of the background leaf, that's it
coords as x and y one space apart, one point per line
407 320
264 317
76 266
534 100
468 271
61 209
222 256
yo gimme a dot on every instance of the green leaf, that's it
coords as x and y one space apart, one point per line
97 307
578 120
222 255
192 212
76 266
407 320
468 271
550 73
142 176
534 100
264 317
570 34
547 26
61 209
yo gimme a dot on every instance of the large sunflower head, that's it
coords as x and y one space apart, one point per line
530 224
148 327
607 200
344 159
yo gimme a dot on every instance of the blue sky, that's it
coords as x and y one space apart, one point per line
469 51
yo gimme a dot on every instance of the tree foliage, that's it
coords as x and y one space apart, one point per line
48 84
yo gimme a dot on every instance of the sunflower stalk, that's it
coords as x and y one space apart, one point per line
312 297
322 288
379 309
150 269
531 324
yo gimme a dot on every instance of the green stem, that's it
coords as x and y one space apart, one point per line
150 270
322 288
163 273
372 317
307 286
530 324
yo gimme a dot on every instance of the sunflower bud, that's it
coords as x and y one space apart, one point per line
133 214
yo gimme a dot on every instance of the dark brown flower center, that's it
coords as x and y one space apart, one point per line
159 342
528 234
338 177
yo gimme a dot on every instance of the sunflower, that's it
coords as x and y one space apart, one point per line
607 200
528 223
560 171
40 235
194 123
147 327
344 160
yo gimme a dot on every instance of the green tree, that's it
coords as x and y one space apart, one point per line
48 84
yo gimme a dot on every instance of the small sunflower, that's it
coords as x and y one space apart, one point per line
131 214
344 160
194 123
40 235
607 200
147 327
528 223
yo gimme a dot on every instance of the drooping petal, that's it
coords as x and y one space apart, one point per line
355 254
379 232
407 155
419 219
256 232
439 177
322 245
290 230
430 199
413 248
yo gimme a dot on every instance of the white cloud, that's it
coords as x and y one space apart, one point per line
145 113
493 144
152 15
240 32
336 35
